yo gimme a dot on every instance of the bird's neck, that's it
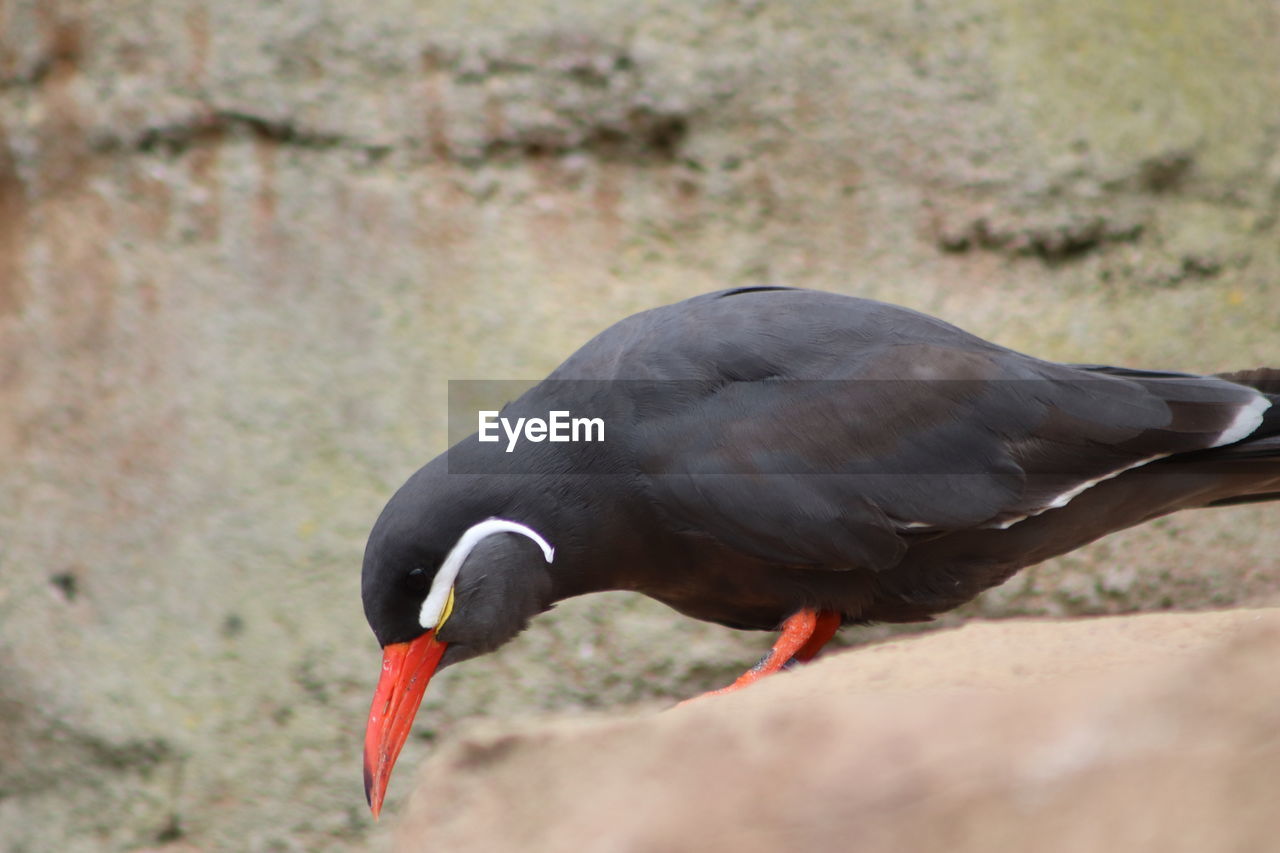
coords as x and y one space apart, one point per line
601 542
582 499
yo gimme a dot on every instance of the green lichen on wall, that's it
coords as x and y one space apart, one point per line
1139 80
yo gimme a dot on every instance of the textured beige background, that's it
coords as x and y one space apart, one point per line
243 247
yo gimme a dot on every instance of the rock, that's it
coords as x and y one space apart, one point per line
1151 733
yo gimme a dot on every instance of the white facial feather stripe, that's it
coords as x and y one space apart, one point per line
433 606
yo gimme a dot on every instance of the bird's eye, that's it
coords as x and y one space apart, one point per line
418 579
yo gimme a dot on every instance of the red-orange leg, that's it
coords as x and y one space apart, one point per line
803 636
825 627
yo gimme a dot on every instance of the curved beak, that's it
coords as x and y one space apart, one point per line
406 669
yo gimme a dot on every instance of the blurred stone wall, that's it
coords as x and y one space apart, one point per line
244 245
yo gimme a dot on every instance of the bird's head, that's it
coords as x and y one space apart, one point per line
442 582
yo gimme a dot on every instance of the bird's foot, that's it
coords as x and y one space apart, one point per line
803 636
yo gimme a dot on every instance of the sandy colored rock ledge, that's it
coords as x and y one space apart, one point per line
1150 732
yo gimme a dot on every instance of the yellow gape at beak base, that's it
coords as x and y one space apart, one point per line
448 608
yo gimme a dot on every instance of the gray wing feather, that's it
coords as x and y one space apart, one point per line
812 429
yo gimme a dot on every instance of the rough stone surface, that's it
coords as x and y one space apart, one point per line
1151 733
243 247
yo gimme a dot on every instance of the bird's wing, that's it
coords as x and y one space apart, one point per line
912 439
813 429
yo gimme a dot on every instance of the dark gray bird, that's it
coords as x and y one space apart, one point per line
779 458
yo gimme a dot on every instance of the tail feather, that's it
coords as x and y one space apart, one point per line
1246 499
1266 380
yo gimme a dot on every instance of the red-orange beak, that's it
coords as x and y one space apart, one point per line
406 669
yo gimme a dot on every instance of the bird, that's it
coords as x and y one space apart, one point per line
787 459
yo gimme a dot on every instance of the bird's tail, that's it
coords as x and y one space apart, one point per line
1262 446
1266 380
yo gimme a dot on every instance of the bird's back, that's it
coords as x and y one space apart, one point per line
887 463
